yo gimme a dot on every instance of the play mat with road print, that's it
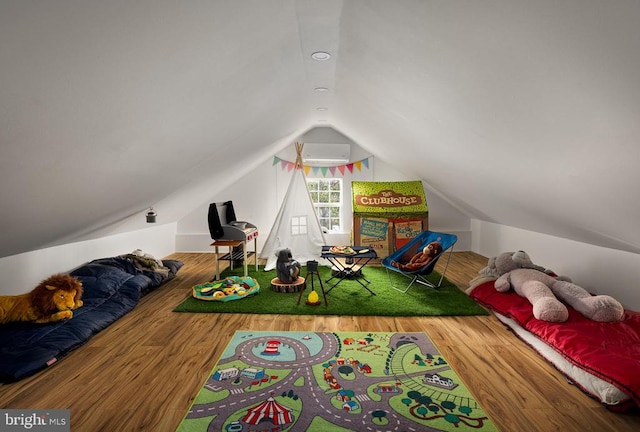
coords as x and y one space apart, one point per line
325 382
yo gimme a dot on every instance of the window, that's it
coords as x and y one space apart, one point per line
326 195
298 225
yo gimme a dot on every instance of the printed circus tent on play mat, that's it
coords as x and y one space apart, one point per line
269 409
296 226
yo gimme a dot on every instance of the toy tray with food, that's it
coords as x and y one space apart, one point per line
231 288
344 250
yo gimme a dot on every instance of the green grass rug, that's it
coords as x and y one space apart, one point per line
333 382
348 298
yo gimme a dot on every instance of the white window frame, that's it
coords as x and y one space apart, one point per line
319 205
299 225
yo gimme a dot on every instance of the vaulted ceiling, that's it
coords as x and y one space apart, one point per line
523 113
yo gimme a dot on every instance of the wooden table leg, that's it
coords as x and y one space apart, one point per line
324 294
244 254
217 264
305 285
255 253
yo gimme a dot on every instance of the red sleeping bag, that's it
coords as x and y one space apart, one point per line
610 351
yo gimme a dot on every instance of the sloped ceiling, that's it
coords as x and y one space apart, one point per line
520 113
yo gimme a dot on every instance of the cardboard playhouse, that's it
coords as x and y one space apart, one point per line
387 215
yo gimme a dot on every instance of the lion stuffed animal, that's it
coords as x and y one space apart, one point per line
54 299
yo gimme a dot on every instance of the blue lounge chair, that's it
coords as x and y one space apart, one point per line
414 246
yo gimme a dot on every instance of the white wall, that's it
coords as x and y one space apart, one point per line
597 269
257 199
22 272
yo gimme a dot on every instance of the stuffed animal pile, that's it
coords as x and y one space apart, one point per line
547 293
145 261
54 299
421 259
287 268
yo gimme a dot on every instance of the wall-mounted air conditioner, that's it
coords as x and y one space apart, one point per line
326 153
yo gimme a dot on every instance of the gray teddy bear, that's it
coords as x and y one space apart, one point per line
544 291
287 268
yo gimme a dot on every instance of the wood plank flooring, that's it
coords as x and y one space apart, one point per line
142 372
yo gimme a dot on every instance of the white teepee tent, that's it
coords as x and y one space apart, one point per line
296 226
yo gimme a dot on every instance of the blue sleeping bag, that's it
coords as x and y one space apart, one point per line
109 293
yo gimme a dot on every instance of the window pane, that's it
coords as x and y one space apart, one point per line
326 195
298 225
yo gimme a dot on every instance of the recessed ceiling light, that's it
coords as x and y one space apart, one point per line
321 89
320 55
322 108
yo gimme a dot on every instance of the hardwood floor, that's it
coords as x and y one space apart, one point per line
142 372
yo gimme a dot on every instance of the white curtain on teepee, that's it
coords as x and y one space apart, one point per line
296 226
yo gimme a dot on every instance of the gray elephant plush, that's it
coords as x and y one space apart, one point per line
544 292
287 268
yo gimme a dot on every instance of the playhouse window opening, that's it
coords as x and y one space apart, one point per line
326 194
